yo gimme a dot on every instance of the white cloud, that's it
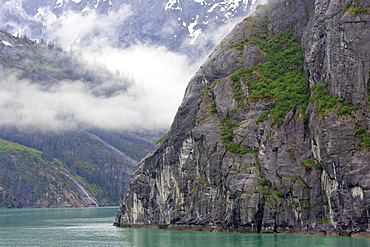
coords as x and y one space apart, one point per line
161 77
89 26
72 105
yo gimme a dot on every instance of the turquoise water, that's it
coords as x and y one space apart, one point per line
93 227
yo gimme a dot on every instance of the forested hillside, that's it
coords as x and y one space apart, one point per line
29 179
48 64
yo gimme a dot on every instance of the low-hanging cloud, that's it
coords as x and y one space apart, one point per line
86 30
160 77
72 104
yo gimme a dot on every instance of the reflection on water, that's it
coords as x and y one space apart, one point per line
93 227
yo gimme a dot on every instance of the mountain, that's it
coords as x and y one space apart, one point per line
42 91
179 25
273 131
28 179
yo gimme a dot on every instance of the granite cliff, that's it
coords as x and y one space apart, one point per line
272 134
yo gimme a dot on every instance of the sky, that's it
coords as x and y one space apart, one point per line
160 78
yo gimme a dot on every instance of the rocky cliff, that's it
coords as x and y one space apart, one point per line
272 134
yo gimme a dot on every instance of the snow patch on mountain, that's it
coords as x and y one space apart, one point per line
194 33
202 2
224 10
233 5
6 43
173 5
59 4
97 4
230 5
86 9
213 7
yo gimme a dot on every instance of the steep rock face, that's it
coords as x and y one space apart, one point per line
280 159
336 49
337 52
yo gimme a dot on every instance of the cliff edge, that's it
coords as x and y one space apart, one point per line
273 131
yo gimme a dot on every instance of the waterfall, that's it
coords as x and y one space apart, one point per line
76 182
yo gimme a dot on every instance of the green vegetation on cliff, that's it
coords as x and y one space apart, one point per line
280 78
227 136
365 138
356 9
326 102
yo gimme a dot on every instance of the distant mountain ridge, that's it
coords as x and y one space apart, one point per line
175 24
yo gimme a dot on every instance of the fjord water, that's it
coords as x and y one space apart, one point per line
93 227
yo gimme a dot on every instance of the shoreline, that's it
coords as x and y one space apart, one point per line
245 230
65 206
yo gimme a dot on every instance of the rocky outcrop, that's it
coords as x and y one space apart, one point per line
264 143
